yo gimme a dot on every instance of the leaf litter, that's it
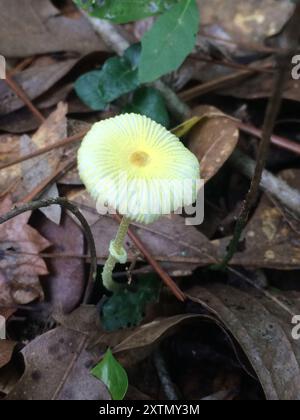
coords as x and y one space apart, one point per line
244 328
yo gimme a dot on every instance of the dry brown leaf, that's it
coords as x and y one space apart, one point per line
34 171
169 239
251 21
65 284
34 27
141 342
58 364
270 239
19 282
261 86
34 81
6 350
212 140
262 326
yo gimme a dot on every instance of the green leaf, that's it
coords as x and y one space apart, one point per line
86 88
171 39
127 308
118 76
124 11
113 375
148 101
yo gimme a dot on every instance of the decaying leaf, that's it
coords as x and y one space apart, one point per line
263 328
169 239
213 139
270 240
65 283
34 81
19 270
260 86
38 28
6 351
57 366
251 21
6 346
34 171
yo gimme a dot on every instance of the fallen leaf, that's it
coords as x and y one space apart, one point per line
251 21
212 140
34 171
65 283
140 342
257 87
19 270
262 326
57 366
270 240
169 239
34 81
40 28
6 350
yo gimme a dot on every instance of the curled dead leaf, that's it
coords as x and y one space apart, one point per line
213 139
262 325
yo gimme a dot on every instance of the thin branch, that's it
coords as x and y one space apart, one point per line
24 98
35 205
54 177
279 141
156 266
269 183
64 142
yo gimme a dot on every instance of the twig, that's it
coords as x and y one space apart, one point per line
43 150
156 266
279 141
270 183
268 128
35 205
212 85
164 376
55 176
22 95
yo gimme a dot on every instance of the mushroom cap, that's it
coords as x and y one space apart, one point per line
137 167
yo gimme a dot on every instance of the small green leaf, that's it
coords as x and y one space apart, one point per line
86 88
127 308
171 39
113 375
148 101
124 11
118 76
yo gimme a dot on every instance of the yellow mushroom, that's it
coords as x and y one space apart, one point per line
140 169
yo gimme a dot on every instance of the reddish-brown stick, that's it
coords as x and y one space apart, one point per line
155 265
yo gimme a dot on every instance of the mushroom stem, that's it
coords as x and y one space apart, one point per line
117 254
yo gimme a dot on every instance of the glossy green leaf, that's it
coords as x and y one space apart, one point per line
169 41
127 308
124 11
118 76
86 88
148 101
113 375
